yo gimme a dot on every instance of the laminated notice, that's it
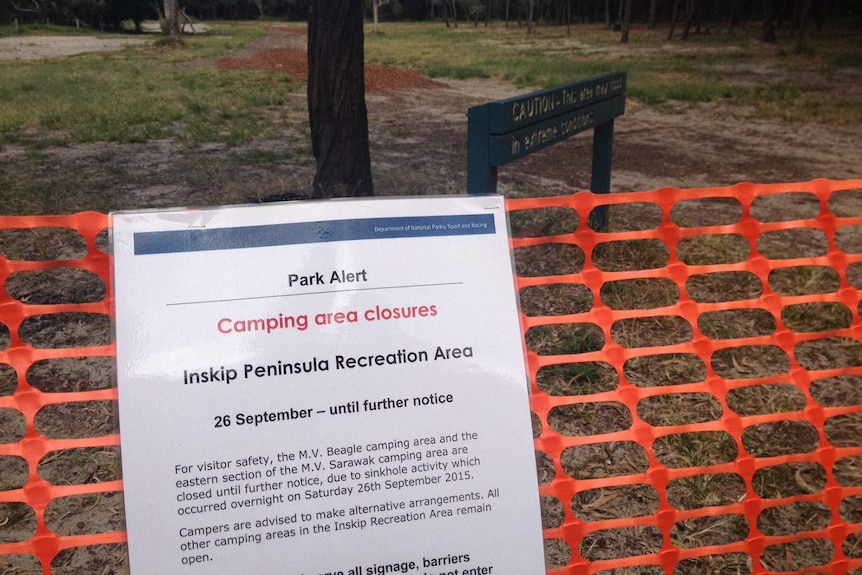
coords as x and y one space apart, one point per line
331 387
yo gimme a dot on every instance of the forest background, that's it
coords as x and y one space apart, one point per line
789 14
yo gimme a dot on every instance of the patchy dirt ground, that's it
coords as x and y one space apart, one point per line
36 47
418 140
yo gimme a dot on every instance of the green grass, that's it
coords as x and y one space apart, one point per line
149 92
42 29
142 94
693 72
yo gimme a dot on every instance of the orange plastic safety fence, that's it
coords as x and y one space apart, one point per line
46 243
690 397
657 466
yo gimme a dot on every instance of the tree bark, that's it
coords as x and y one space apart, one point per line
173 14
530 17
336 99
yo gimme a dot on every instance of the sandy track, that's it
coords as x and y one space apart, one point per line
37 47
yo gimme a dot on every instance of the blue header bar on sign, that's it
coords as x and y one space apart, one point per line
199 240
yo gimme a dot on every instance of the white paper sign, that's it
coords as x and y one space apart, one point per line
324 387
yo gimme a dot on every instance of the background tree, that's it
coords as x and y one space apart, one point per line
769 21
804 16
114 12
627 21
653 12
375 8
691 7
336 99
172 13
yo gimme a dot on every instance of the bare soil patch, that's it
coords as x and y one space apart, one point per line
285 51
36 47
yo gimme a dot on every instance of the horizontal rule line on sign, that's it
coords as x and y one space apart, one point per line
245 237
443 284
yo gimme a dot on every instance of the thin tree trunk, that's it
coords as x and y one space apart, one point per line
689 18
802 43
795 17
626 24
568 17
653 9
769 21
454 14
174 21
673 18
734 15
530 17
507 13
337 113
375 9
608 14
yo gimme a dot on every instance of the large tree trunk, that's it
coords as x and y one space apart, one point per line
336 99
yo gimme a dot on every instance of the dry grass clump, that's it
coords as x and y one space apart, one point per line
585 419
640 293
556 299
580 378
664 369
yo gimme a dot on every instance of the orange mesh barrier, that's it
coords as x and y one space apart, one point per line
696 383
76 244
